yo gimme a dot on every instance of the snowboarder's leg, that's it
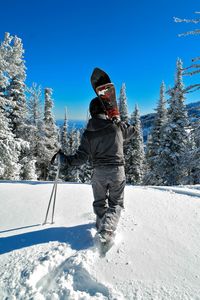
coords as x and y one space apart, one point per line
115 201
100 204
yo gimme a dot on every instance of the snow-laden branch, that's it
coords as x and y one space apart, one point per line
191 73
178 20
196 59
192 88
192 66
192 32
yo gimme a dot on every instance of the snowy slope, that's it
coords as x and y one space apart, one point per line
156 255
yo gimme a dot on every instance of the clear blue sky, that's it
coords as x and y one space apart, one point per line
135 41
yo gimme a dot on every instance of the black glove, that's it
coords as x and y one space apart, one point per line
55 155
116 120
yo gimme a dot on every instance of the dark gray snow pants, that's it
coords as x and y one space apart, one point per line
108 183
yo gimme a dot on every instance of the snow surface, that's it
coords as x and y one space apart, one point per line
156 255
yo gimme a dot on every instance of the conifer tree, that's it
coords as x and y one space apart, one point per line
154 141
34 106
34 118
174 143
136 162
64 144
123 107
76 172
13 109
9 148
194 164
9 151
16 88
48 144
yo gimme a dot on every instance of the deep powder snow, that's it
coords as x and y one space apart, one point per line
156 254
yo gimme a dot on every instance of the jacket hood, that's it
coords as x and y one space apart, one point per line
96 124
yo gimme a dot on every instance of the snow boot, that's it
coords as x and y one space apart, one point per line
104 240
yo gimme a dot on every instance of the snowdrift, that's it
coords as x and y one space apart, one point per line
156 255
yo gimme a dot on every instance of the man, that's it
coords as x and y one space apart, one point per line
102 143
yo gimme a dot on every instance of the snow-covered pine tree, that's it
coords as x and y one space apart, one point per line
9 154
63 139
33 134
77 171
73 141
9 151
175 138
34 106
64 143
123 107
154 141
195 155
48 144
123 110
136 158
34 118
16 89
12 76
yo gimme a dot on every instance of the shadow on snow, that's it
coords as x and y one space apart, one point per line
78 237
30 182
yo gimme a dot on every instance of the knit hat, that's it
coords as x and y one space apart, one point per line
97 107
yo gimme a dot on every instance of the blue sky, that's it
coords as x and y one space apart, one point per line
134 41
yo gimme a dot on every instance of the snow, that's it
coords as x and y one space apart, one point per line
155 256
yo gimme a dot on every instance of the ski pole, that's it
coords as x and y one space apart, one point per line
53 192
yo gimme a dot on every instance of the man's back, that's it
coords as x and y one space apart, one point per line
106 142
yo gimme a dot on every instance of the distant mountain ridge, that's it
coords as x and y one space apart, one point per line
147 120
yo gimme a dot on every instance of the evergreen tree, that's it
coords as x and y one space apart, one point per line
34 104
16 88
135 164
34 134
9 149
154 141
194 164
48 144
13 107
123 107
174 143
73 141
76 171
64 144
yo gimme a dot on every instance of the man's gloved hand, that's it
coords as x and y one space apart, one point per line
55 155
116 120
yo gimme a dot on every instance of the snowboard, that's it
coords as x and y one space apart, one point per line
105 90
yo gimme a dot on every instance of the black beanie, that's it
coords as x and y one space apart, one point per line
97 107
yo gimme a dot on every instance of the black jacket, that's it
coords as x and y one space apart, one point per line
102 143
